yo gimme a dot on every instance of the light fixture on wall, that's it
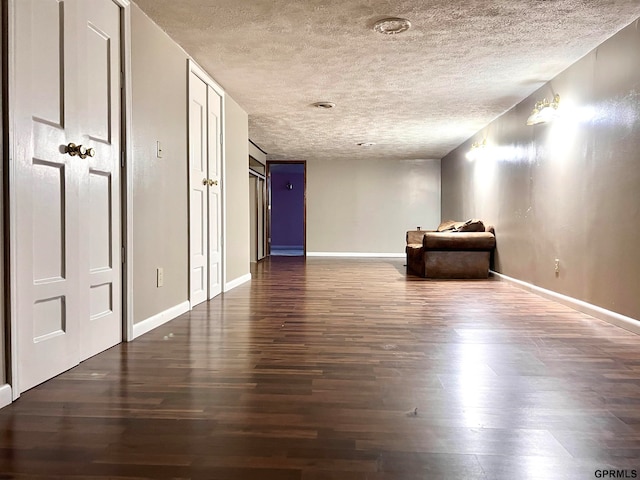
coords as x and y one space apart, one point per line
476 150
544 111
289 186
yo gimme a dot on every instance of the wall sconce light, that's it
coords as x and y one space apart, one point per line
289 186
544 111
476 150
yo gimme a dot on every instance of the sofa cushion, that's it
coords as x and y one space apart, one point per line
457 241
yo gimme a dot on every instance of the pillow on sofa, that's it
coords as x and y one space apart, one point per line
471 225
447 225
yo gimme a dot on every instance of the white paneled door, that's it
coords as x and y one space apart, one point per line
205 114
67 123
214 129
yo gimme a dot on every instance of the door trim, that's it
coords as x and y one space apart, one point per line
12 344
197 70
126 175
304 201
260 177
125 32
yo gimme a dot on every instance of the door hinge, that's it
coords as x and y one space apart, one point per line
122 159
123 254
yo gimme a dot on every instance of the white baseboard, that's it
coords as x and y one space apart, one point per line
237 282
161 318
608 316
356 254
5 395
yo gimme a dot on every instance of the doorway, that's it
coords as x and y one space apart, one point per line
287 206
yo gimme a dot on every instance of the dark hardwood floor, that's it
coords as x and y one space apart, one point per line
344 369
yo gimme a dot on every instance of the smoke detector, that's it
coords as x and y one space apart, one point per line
392 25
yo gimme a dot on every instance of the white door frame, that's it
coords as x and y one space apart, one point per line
126 187
194 68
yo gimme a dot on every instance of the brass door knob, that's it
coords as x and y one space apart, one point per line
80 150
212 182
205 182
73 149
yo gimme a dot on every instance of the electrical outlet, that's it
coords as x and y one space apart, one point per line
159 277
557 265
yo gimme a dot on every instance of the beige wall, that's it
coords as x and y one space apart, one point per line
160 228
566 190
236 191
366 206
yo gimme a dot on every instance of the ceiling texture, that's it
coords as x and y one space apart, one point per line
416 95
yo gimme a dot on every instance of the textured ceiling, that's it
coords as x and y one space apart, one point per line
417 95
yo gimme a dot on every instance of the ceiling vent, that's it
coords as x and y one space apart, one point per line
392 25
323 105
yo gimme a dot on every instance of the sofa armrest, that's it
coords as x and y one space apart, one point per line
459 241
415 236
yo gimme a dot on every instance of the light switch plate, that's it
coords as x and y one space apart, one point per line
160 277
158 149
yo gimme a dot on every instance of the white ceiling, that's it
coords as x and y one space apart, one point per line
417 95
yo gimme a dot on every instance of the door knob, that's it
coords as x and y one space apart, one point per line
73 149
80 150
213 182
205 182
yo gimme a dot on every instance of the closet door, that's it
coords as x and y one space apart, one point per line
205 199
214 132
198 191
66 185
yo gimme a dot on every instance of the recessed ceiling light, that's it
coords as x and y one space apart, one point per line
324 105
392 25
365 144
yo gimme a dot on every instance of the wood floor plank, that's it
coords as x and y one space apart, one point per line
343 369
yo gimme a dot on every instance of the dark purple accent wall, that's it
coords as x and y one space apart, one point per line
287 206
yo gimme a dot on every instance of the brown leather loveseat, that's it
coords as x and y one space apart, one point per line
455 250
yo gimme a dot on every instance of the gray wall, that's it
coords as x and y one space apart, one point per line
366 206
257 154
566 190
160 221
160 209
3 349
236 188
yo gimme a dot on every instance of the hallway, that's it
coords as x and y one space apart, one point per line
343 369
